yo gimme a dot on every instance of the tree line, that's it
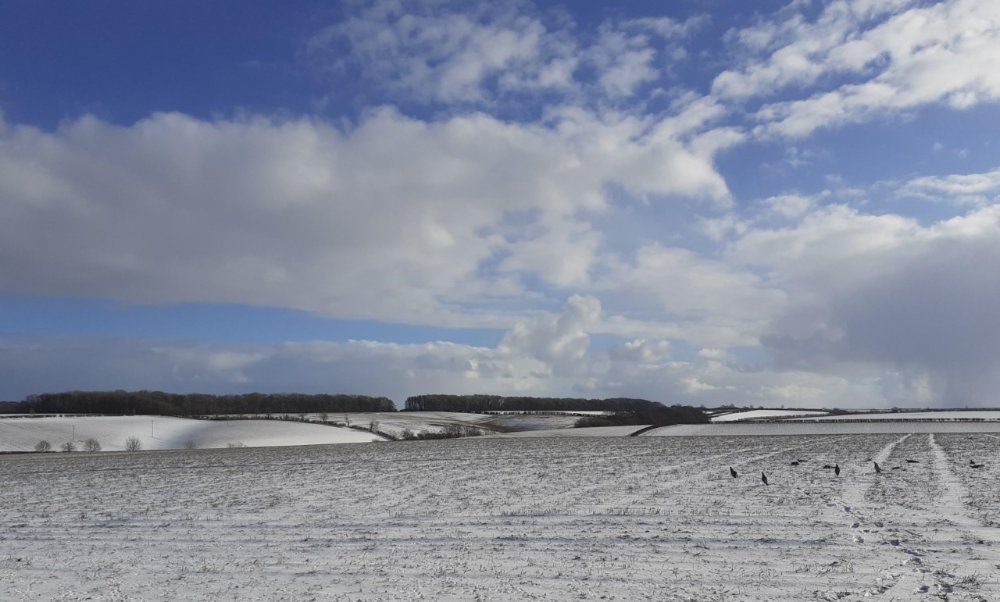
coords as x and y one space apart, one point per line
626 410
193 404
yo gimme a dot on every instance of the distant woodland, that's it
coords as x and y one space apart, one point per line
173 404
621 410
626 410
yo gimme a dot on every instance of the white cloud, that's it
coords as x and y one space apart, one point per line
395 219
475 54
641 350
447 55
715 303
561 342
886 293
884 57
976 189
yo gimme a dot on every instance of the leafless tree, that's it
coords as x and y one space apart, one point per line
43 446
92 445
133 444
69 446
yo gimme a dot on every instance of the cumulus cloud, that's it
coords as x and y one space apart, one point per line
393 219
887 293
718 303
560 342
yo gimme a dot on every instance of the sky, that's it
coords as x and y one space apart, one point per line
778 203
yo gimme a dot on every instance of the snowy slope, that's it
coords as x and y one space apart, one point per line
595 431
761 414
944 415
159 432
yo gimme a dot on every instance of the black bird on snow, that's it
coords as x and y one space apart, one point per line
912 462
975 465
763 477
836 469
827 466
733 472
794 462
878 469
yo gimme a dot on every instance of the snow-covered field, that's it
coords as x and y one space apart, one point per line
395 423
764 414
630 518
593 431
943 415
828 427
160 432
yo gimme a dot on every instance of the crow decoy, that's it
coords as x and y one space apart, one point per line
733 472
763 477
836 469
878 469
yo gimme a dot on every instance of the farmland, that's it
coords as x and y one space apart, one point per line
655 518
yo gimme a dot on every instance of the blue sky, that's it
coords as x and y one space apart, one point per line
779 203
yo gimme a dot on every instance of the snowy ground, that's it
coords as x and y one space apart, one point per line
160 432
762 414
396 423
943 415
631 518
592 431
828 427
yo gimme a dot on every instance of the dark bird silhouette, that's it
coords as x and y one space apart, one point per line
972 462
878 469
975 465
836 469
794 462
912 462
895 468
828 466
763 477
733 472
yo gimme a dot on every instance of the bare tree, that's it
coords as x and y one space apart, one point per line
133 444
323 417
43 446
69 446
92 445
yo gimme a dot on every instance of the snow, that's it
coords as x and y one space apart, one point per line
764 414
620 518
943 415
395 423
593 431
786 427
160 432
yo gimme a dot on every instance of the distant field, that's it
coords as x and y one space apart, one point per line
764 414
161 432
625 518
830 427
